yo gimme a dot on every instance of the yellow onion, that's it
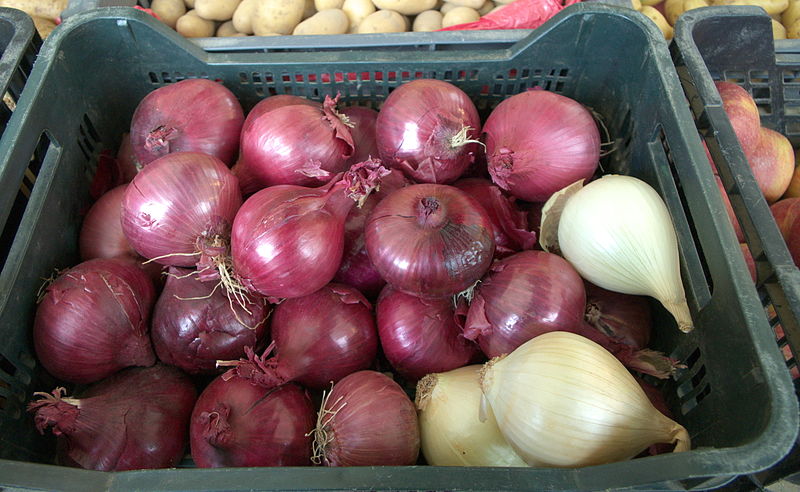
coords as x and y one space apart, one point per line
562 400
450 429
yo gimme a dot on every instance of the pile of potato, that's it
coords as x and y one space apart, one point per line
785 13
206 18
43 12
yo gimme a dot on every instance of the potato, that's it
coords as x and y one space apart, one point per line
651 2
654 15
430 20
674 8
778 31
487 7
44 26
168 10
328 21
460 15
243 17
405 7
497 7
191 25
280 16
447 7
771 6
309 9
189 4
217 10
473 4
328 4
636 4
382 21
50 9
791 14
793 31
226 30
357 11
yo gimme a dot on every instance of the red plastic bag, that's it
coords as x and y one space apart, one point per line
521 14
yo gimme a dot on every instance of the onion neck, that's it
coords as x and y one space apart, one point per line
56 411
680 310
431 213
259 370
425 388
157 141
217 429
340 124
501 167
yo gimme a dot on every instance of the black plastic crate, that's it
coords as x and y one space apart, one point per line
735 396
736 44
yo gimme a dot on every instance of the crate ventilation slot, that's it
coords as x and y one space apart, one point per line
692 388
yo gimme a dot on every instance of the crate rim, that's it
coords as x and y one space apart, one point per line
661 468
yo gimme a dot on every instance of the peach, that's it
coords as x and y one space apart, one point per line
772 162
742 112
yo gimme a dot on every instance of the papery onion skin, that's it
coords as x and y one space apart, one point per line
136 419
101 233
356 269
420 336
562 400
430 240
428 129
363 131
193 115
93 321
510 223
623 317
538 142
195 324
294 145
523 296
177 205
237 423
451 432
367 420
318 339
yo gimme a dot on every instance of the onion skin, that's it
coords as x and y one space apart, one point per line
179 204
420 336
319 339
367 420
236 423
268 104
101 233
127 165
538 142
93 321
295 145
523 296
193 115
623 317
417 128
136 419
195 324
430 240
510 224
363 132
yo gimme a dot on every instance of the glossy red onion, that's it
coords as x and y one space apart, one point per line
136 419
363 131
237 423
523 296
93 321
428 129
623 317
356 269
101 233
367 420
510 223
127 164
295 145
178 210
420 336
430 240
193 115
538 142
318 339
195 324
287 241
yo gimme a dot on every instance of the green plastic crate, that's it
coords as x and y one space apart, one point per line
734 397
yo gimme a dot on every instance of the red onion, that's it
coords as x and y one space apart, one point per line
420 336
428 129
138 418
178 210
538 142
287 241
318 339
356 269
297 145
366 420
93 321
268 104
127 164
510 224
238 423
363 132
430 240
195 324
522 297
101 233
193 115
623 317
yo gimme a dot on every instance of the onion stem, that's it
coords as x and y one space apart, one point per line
321 436
460 139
